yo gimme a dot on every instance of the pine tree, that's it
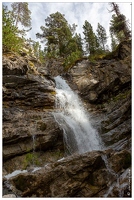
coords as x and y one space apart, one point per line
101 36
60 39
118 23
114 42
58 35
10 39
90 38
79 43
21 13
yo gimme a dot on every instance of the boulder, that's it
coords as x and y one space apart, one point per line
86 175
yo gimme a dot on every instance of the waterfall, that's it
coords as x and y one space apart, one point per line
79 134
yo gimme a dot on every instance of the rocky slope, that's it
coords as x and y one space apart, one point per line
32 138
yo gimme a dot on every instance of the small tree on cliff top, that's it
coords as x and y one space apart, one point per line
118 24
101 36
10 39
90 38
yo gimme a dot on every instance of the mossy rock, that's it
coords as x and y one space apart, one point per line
30 159
53 92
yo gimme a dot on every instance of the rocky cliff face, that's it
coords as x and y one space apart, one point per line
32 138
28 124
105 87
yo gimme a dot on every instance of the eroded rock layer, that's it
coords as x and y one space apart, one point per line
32 138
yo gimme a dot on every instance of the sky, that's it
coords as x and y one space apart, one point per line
75 12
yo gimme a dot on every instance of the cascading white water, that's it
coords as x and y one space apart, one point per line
79 134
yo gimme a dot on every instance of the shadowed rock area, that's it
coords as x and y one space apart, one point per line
32 138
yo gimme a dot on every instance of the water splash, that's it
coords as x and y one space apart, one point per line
79 134
14 173
33 139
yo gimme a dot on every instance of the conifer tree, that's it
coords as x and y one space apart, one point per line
58 35
118 23
79 43
90 38
21 13
101 36
114 42
10 39
60 39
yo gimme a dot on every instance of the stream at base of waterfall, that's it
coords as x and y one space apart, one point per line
79 134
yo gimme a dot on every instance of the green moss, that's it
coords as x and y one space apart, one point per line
30 159
95 57
53 92
30 64
122 95
113 54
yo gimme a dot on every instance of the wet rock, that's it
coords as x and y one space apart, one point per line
86 175
120 160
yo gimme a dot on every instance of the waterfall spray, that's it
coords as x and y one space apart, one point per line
79 134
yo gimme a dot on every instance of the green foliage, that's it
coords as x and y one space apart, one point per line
21 13
98 56
101 36
122 95
119 30
56 34
60 42
118 24
113 54
10 33
71 59
90 38
114 42
38 52
79 43
31 159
